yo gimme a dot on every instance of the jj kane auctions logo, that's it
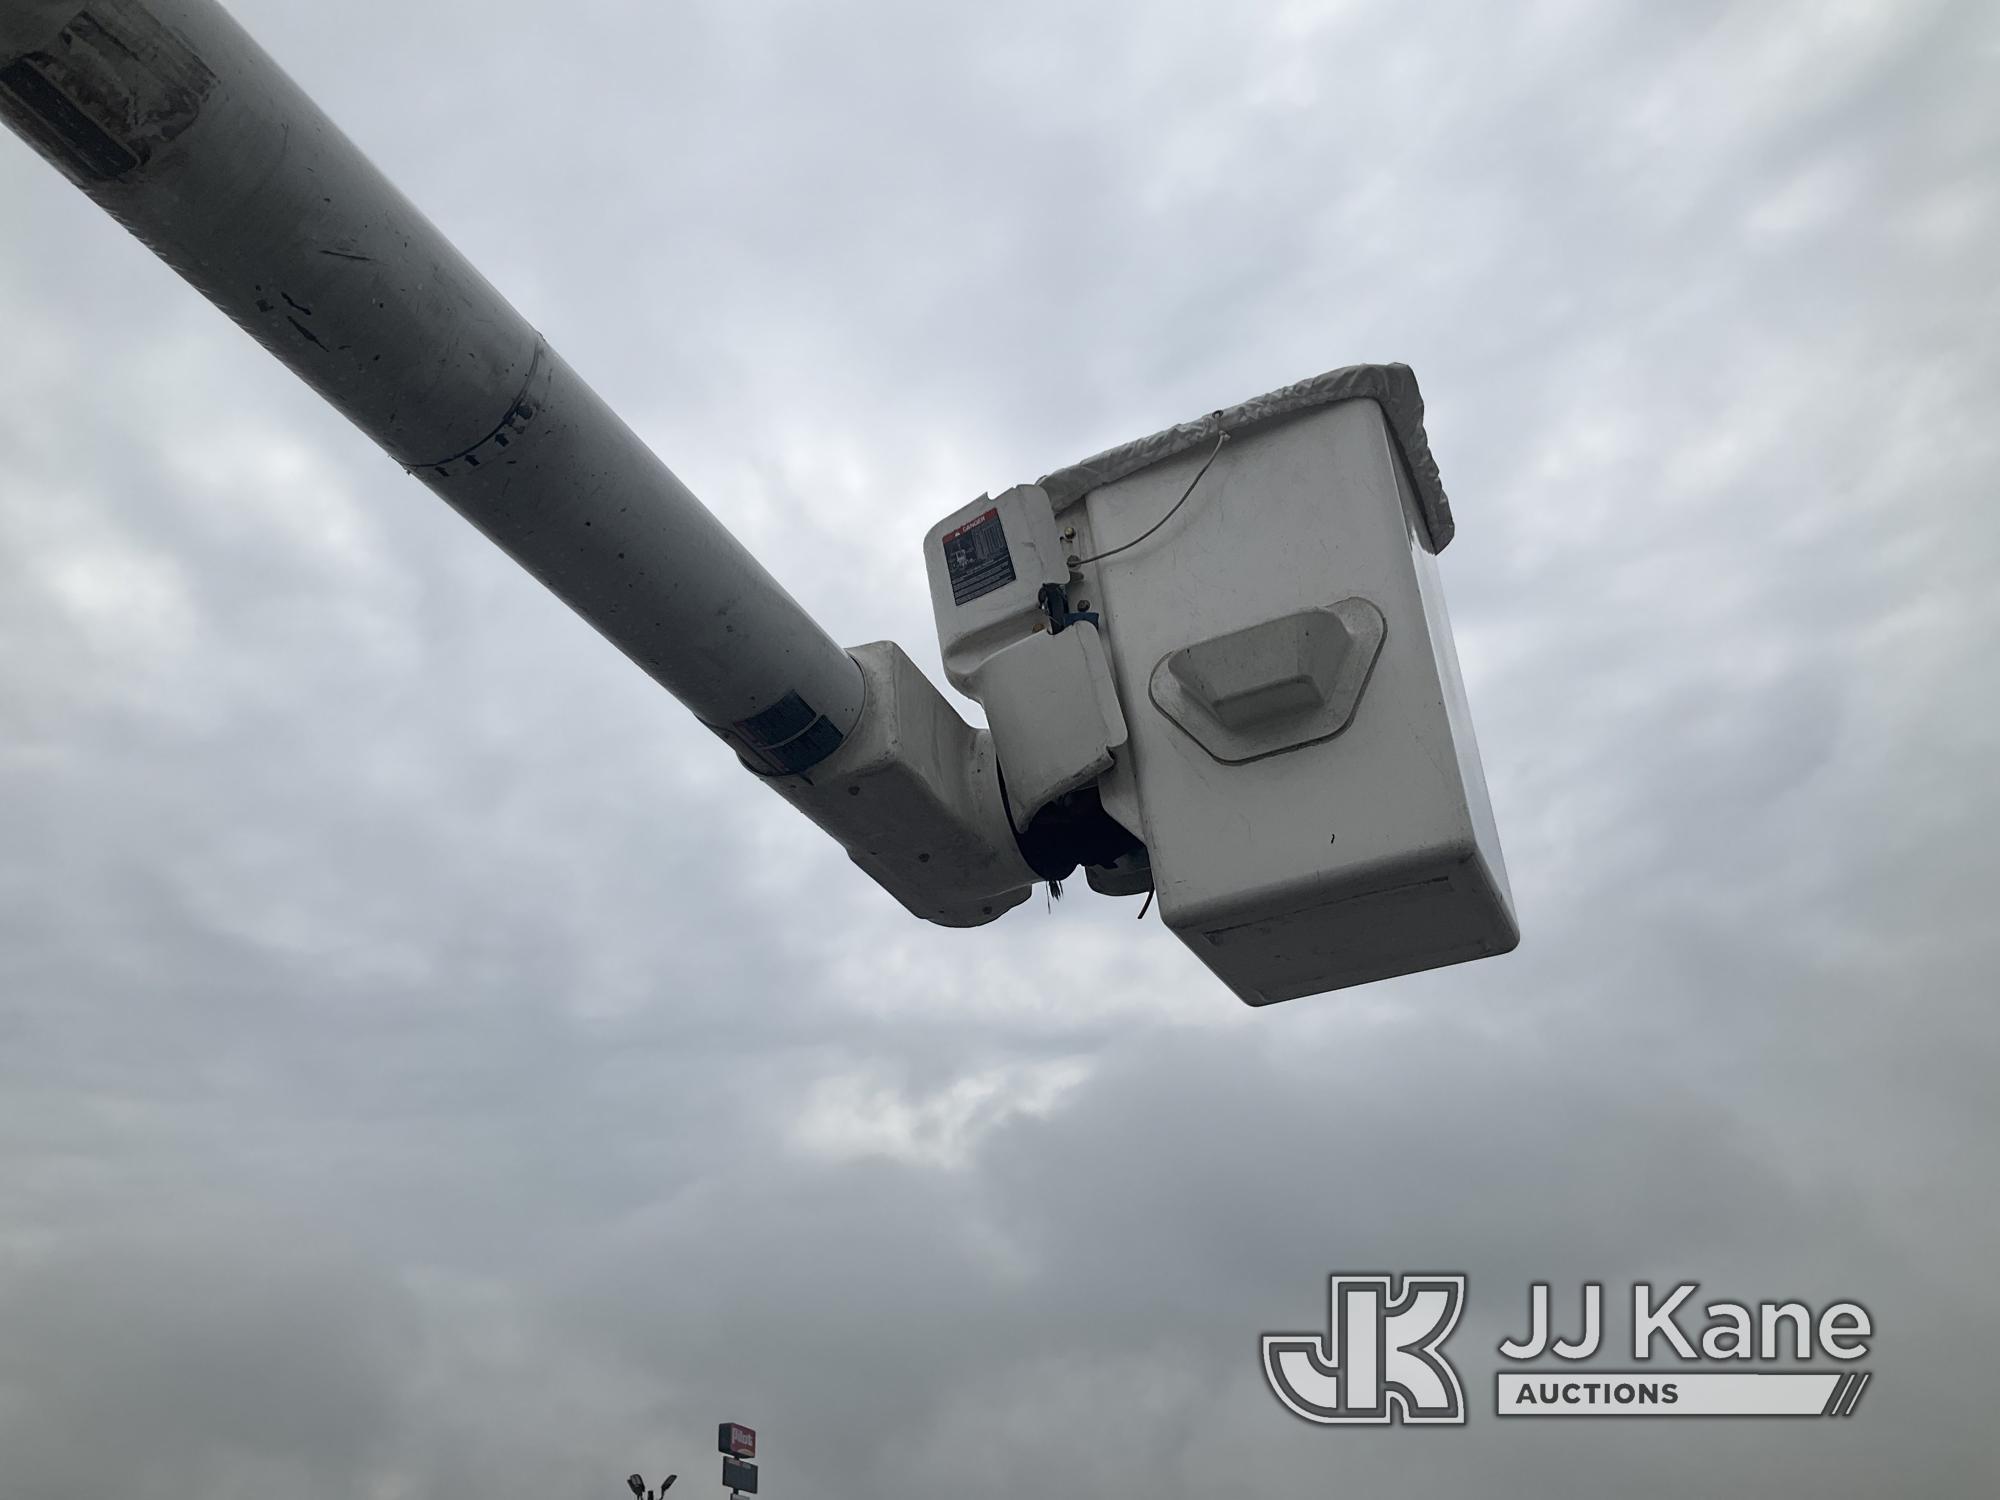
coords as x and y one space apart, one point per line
1382 1357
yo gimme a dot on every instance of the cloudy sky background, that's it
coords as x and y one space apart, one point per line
429 1067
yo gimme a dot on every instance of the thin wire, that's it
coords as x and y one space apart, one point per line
1077 562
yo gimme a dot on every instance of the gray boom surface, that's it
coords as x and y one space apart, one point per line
185 131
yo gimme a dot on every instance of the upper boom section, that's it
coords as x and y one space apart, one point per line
1216 662
180 127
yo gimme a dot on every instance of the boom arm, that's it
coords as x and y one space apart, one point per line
181 128
1249 705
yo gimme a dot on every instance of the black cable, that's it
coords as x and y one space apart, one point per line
1077 562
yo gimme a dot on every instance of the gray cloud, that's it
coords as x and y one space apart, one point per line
427 1067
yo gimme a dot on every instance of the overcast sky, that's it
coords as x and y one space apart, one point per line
430 1067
